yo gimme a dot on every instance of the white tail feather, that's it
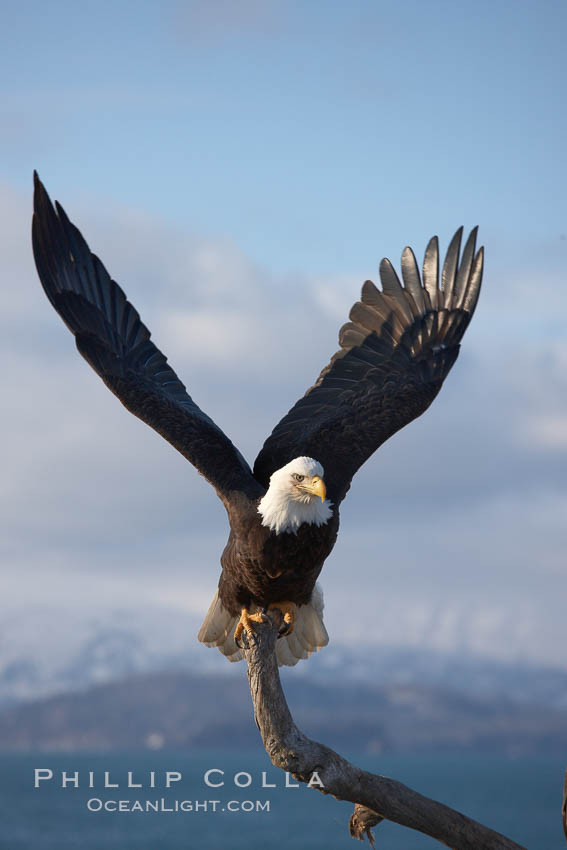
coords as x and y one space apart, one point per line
309 634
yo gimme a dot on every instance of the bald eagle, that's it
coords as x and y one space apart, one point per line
395 352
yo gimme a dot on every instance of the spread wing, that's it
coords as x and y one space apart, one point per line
111 337
396 351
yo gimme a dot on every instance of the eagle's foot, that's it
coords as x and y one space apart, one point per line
244 636
288 610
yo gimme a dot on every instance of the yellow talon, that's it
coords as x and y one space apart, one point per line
288 610
243 627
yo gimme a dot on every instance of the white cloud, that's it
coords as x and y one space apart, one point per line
549 432
219 337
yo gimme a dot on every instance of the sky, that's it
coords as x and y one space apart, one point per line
241 168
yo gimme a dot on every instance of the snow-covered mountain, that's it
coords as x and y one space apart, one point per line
45 651
50 650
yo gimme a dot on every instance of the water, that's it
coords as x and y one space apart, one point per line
519 797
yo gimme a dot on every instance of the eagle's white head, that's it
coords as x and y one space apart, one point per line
296 495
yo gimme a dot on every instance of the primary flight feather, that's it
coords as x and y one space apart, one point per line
395 353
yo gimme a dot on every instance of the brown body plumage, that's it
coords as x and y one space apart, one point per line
395 353
260 567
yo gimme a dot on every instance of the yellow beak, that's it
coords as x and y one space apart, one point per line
318 487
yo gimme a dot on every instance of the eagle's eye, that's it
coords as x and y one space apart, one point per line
298 477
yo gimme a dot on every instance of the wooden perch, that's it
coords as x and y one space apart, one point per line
375 797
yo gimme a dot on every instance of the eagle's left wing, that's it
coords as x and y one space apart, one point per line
395 353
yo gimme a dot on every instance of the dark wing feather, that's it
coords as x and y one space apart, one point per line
396 351
112 338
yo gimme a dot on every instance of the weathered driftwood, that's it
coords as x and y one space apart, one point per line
291 750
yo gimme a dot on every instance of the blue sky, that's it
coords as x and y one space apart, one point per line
313 133
242 167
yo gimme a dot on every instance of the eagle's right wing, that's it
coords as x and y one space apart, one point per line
111 337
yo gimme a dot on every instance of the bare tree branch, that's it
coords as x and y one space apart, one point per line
322 768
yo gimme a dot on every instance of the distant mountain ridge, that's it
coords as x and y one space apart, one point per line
185 711
46 652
